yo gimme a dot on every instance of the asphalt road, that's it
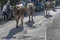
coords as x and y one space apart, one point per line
53 30
36 30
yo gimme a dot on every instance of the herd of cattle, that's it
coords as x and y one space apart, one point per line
19 10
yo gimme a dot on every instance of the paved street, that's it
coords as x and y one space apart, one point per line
36 30
53 30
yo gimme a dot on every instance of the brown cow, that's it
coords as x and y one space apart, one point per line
19 11
47 8
30 10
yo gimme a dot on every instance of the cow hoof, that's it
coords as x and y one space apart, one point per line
28 21
16 27
32 20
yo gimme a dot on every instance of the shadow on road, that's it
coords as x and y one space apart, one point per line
4 22
13 32
54 9
30 24
48 16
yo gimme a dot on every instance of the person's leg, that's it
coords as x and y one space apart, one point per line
4 16
8 15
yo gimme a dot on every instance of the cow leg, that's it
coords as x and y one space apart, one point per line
46 12
22 22
22 17
32 16
29 15
29 18
17 21
49 12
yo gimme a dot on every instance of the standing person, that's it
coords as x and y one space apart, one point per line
40 4
6 11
